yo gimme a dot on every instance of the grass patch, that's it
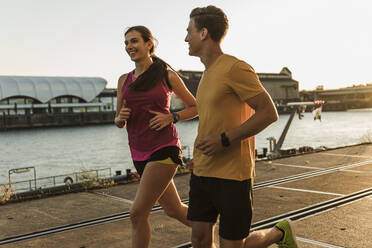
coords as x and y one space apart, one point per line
367 137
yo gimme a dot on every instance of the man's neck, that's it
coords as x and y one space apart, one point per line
210 55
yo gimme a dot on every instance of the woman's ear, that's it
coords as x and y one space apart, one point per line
149 45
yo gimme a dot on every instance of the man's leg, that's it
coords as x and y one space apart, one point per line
282 233
263 238
201 212
257 239
202 234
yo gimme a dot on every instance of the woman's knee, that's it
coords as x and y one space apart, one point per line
172 212
177 211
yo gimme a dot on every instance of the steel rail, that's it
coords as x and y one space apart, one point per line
125 215
304 212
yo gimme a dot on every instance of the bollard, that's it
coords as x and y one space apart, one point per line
264 151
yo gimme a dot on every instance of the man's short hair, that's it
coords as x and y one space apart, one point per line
213 19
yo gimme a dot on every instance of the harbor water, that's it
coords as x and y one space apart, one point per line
55 151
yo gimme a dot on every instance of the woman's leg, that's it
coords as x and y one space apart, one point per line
172 205
154 181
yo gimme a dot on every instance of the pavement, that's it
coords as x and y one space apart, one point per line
348 225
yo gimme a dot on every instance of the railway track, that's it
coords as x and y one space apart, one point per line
294 215
304 212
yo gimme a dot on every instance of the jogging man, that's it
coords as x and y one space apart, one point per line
233 106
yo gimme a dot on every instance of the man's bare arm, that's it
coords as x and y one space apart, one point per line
265 114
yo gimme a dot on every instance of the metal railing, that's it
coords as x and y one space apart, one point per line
58 180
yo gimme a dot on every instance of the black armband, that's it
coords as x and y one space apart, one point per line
224 140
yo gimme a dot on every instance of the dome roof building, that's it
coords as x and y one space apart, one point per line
44 89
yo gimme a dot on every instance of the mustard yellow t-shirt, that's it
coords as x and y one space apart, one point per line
220 99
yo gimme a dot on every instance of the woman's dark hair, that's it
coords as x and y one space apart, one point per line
213 19
158 70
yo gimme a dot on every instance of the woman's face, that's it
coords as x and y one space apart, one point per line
136 47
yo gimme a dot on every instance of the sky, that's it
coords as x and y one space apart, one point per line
323 42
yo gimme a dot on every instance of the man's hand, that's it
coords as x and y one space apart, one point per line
210 145
160 120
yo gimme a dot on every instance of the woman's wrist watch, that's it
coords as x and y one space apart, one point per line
176 117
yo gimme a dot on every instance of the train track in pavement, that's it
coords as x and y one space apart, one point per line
293 215
304 212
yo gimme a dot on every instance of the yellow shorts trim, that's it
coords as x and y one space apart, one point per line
166 161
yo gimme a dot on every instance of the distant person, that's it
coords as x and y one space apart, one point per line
143 106
300 111
317 113
233 106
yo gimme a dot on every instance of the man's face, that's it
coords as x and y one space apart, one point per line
193 38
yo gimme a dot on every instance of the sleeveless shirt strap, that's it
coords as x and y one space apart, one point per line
125 78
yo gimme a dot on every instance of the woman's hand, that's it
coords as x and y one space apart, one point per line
160 120
123 116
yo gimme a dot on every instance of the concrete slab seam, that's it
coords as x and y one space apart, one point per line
306 175
307 191
358 171
313 209
346 155
113 197
298 166
334 208
322 244
367 162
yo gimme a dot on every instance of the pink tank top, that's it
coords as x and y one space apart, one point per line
143 141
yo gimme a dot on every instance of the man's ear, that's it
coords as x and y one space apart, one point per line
204 34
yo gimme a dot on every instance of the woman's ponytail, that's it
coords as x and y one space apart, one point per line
157 72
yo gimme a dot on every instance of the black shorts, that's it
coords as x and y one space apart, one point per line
231 199
173 152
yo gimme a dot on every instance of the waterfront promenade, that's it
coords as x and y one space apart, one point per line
327 194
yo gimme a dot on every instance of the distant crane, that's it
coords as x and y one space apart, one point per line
297 107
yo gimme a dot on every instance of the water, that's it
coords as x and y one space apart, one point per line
55 151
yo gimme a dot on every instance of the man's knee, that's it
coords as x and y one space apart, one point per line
202 237
201 241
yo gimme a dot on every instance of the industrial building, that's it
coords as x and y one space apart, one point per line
354 97
281 86
50 101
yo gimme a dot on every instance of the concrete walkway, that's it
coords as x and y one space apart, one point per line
349 225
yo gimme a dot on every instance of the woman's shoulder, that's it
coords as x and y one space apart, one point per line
172 74
122 79
124 76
